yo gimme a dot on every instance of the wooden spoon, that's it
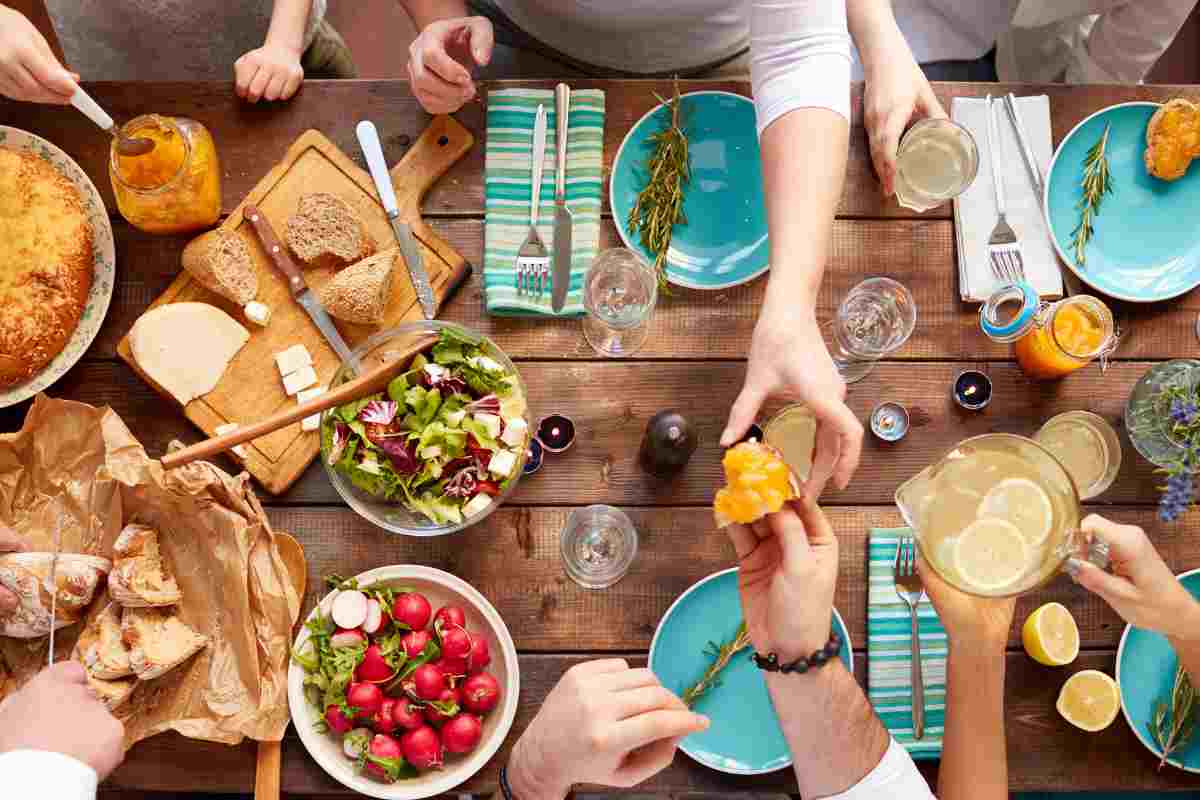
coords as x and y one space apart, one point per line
270 754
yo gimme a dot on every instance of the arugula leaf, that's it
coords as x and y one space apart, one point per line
432 652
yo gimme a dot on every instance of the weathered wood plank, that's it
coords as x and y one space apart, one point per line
611 401
1044 752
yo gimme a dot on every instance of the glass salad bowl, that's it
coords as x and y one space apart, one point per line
423 487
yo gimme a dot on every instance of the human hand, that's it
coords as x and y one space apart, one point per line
788 358
788 565
440 60
57 712
896 94
604 723
1141 588
10 542
272 72
28 69
980 624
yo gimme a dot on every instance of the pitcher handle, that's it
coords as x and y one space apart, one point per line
1080 545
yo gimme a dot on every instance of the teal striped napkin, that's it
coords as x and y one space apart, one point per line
507 166
889 643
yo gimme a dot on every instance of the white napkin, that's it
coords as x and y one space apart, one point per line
975 209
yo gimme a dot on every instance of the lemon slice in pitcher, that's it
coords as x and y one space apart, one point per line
1089 700
1051 636
1024 504
991 554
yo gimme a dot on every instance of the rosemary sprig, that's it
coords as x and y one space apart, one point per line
721 655
1096 183
1174 724
659 206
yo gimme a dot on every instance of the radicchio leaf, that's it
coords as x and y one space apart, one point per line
402 455
381 412
337 446
489 404
462 484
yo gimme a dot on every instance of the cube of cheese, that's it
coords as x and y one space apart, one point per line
490 422
312 421
515 430
502 463
300 379
294 358
476 504
256 312
238 450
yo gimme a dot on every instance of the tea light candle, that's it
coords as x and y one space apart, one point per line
556 433
753 434
972 390
889 421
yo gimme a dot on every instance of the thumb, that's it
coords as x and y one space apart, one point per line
793 536
67 672
1111 588
816 525
743 413
482 37
1125 542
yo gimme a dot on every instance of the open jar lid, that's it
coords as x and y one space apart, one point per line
1010 312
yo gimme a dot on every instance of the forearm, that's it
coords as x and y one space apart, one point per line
974 761
526 780
1126 41
423 12
1187 645
874 30
289 20
832 732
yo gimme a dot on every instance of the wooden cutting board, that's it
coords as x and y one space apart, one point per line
251 388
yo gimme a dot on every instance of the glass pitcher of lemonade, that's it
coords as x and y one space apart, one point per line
1049 340
996 516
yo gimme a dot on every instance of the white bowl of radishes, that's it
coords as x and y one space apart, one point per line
405 686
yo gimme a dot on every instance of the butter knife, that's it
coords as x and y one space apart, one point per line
53 597
1031 164
561 281
300 291
368 140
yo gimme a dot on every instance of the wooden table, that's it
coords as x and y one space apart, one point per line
694 361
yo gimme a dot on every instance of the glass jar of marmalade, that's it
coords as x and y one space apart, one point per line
1049 340
176 187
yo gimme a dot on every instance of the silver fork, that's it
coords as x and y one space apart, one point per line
911 590
533 260
1004 251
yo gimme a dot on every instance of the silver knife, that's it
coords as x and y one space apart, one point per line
1031 163
368 140
561 282
54 592
300 291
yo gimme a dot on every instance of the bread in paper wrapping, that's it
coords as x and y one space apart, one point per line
106 660
140 578
27 575
158 641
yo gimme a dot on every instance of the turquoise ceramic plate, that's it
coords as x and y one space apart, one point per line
744 738
724 241
1145 672
104 259
1146 245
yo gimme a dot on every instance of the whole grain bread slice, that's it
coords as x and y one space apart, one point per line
361 293
1168 151
220 261
326 232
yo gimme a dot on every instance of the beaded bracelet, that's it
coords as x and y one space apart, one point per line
505 788
770 662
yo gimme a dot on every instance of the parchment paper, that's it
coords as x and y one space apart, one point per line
79 468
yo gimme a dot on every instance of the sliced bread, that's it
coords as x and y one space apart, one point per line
140 577
27 575
1172 139
361 292
158 641
113 692
110 659
326 232
220 261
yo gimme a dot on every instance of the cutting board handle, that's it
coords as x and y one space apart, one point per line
442 144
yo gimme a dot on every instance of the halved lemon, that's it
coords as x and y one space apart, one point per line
1023 503
1051 636
1089 700
991 554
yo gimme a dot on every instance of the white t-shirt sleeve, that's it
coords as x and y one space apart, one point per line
799 57
1126 40
896 778
40 773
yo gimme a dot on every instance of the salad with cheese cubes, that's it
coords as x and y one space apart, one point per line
447 437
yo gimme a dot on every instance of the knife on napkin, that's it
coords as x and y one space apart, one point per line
561 282
304 296
368 140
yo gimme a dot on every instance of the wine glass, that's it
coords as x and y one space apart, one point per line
876 318
619 293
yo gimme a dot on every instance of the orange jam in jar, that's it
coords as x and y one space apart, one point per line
176 187
1065 337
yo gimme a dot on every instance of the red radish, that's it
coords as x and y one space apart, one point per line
350 609
384 759
374 620
337 720
480 655
448 616
411 609
414 642
356 742
422 748
481 693
347 638
448 704
456 642
426 682
366 697
373 668
407 715
462 734
384 720
452 668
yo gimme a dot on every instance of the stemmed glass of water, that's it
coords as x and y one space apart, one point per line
619 293
875 318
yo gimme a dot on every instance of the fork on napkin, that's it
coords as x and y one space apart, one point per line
975 209
511 114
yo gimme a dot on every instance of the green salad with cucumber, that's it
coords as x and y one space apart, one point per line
447 437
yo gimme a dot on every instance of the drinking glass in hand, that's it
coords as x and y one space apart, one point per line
876 318
619 293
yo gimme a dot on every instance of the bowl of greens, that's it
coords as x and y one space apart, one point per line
444 446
